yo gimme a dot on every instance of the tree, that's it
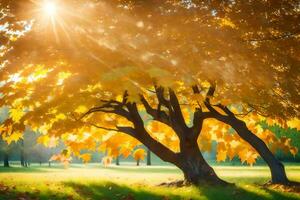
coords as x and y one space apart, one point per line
6 159
148 157
118 160
22 154
139 155
199 71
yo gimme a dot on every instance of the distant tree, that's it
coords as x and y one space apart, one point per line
6 158
22 153
148 157
138 155
117 160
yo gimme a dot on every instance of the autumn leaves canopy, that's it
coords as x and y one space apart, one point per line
78 78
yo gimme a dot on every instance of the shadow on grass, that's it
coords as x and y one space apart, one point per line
237 193
114 191
8 193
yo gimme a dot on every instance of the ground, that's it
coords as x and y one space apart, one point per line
132 183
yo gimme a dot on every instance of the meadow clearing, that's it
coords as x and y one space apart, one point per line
93 181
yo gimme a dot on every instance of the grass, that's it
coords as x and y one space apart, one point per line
132 183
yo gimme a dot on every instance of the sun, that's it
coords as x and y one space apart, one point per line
50 8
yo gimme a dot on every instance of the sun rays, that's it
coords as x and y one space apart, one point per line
50 8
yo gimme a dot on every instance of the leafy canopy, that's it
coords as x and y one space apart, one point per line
89 51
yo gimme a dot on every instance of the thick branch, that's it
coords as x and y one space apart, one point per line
156 114
139 132
176 111
160 96
113 107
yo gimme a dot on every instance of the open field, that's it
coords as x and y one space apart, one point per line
131 182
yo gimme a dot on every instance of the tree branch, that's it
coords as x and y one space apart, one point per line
176 111
156 114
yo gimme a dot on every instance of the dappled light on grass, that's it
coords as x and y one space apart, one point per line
130 182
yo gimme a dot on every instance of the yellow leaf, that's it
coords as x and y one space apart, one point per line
81 109
60 116
16 114
294 123
44 140
14 137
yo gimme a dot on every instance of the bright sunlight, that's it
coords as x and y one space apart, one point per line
50 8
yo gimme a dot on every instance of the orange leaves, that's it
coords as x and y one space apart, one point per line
248 156
139 154
221 152
284 144
294 151
164 134
125 151
16 114
86 157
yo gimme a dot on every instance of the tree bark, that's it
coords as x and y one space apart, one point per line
278 174
118 160
148 157
138 162
190 160
22 154
6 159
195 168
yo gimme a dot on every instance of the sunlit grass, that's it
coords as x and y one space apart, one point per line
96 182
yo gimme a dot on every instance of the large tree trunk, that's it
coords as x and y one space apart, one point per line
278 174
6 159
190 160
277 169
148 157
196 170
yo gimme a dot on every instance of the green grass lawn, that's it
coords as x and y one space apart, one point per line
131 183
